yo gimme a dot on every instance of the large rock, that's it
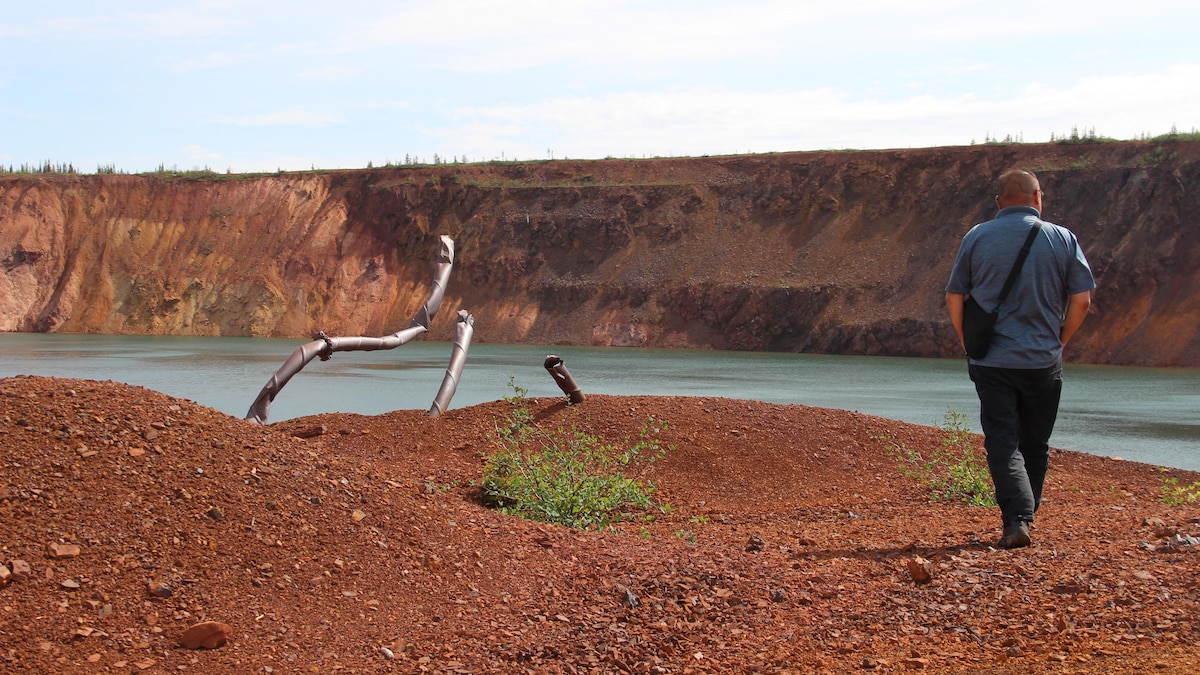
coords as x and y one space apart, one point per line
206 635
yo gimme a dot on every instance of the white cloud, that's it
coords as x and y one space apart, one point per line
90 23
204 19
201 154
329 73
1127 105
718 121
378 79
297 117
486 36
215 59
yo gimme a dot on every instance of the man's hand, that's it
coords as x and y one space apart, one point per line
954 305
1077 308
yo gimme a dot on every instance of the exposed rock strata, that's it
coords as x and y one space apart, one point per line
836 252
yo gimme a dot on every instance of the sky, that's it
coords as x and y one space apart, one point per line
266 85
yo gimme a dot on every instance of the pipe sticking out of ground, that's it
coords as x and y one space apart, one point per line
324 346
562 377
458 358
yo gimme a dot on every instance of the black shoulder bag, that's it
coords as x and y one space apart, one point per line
979 325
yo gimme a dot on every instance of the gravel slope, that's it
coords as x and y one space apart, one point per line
793 544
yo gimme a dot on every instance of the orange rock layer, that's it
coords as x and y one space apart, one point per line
832 252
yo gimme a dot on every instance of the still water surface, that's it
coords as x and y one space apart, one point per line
1148 415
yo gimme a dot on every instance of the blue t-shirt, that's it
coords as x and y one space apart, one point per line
1030 320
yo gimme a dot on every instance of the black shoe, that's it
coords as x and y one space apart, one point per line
1015 535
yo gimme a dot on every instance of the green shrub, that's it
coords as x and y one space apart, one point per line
567 475
1175 494
953 471
1159 155
1176 135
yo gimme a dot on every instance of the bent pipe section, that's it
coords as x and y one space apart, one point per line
558 370
458 358
441 275
324 346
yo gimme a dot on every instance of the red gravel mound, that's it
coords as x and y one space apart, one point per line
128 518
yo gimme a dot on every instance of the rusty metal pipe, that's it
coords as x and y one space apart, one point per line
558 370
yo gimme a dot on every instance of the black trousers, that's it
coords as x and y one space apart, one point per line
1017 410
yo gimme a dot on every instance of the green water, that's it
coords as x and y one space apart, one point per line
1141 414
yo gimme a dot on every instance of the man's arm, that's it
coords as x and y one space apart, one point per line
954 305
1077 308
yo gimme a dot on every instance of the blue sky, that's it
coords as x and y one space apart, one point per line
261 85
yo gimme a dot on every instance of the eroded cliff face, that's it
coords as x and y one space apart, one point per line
843 253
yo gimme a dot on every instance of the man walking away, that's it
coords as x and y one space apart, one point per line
1019 380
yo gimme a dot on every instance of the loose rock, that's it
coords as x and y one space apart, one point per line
57 550
310 432
206 635
920 569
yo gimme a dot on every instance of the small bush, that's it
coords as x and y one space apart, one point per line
1175 494
953 471
566 475
1159 155
1176 135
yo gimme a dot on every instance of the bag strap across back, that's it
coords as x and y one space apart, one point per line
1012 276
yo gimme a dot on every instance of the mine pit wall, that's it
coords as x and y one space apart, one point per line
833 252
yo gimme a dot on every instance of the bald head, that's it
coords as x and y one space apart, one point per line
1017 187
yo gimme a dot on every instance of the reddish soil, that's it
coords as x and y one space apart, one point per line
790 548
